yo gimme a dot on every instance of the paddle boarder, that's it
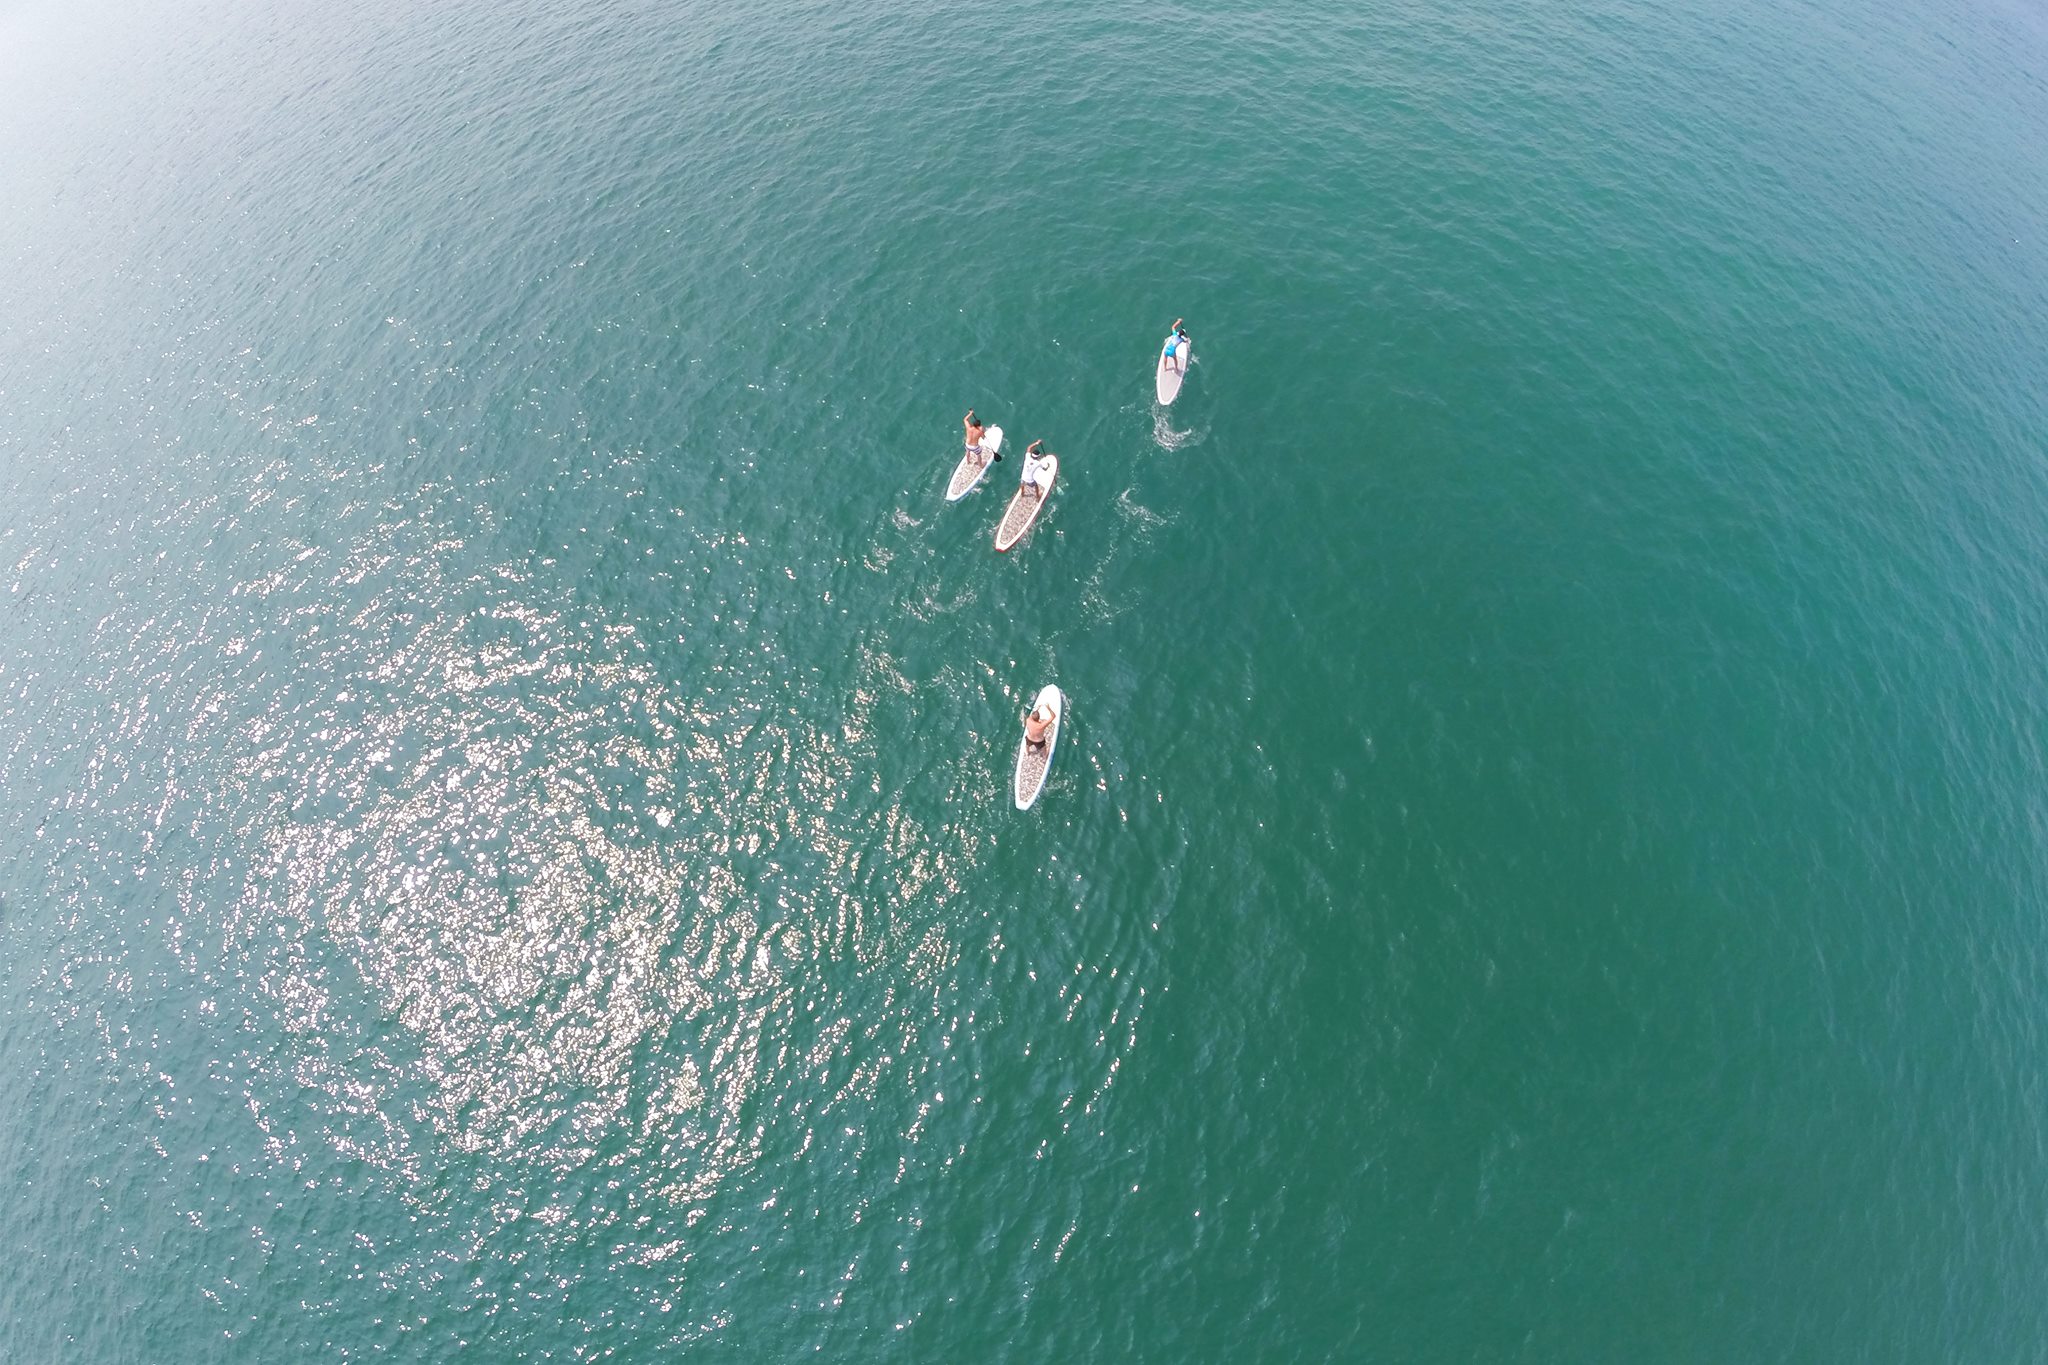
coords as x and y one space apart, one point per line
1034 468
1037 721
1176 339
974 429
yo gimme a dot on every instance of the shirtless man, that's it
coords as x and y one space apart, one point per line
974 427
1037 723
1034 468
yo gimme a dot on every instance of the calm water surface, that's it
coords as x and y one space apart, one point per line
504 834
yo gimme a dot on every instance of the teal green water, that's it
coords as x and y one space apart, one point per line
505 838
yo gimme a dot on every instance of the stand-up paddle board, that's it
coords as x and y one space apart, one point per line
1033 760
1172 371
1024 505
973 464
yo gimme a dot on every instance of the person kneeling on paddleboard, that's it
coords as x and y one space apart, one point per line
1176 339
1037 721
1034 468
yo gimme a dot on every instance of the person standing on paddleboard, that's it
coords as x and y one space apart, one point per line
1037 721
1176 339
974 428
1034 468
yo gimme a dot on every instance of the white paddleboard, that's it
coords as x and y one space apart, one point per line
973 464
1024 507
1034 761
1172 372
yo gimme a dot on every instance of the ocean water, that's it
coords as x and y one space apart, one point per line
505 849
